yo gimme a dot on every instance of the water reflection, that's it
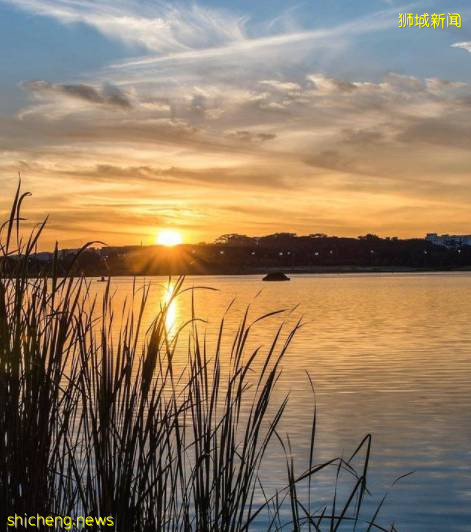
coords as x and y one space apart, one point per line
170 304
389 354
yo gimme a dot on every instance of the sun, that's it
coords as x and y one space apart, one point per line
169 237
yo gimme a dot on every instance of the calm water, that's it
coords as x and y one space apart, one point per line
390 355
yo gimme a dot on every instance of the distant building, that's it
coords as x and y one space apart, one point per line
449 241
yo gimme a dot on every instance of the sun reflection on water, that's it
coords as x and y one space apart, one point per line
170 303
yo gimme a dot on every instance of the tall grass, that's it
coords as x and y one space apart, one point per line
100 423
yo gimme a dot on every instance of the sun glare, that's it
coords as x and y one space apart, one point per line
169 237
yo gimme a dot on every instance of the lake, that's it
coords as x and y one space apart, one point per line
390 355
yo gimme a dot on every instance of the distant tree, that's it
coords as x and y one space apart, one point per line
235 239
369 237
318 235
279 236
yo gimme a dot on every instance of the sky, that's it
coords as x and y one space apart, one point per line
124 117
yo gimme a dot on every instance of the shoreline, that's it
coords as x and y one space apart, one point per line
290 271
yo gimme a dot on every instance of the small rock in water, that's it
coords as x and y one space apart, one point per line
276 276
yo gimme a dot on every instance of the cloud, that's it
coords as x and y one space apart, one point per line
464 45
276 46
282 86
251 136
108 94
327 85
156 26
240 176
282 118
191 32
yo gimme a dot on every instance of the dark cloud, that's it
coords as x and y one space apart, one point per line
224 177
332 160
126 174
115 96
440 132
362 137
251 177
107 95
250 136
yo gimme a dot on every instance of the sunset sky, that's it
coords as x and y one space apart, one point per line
126 116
